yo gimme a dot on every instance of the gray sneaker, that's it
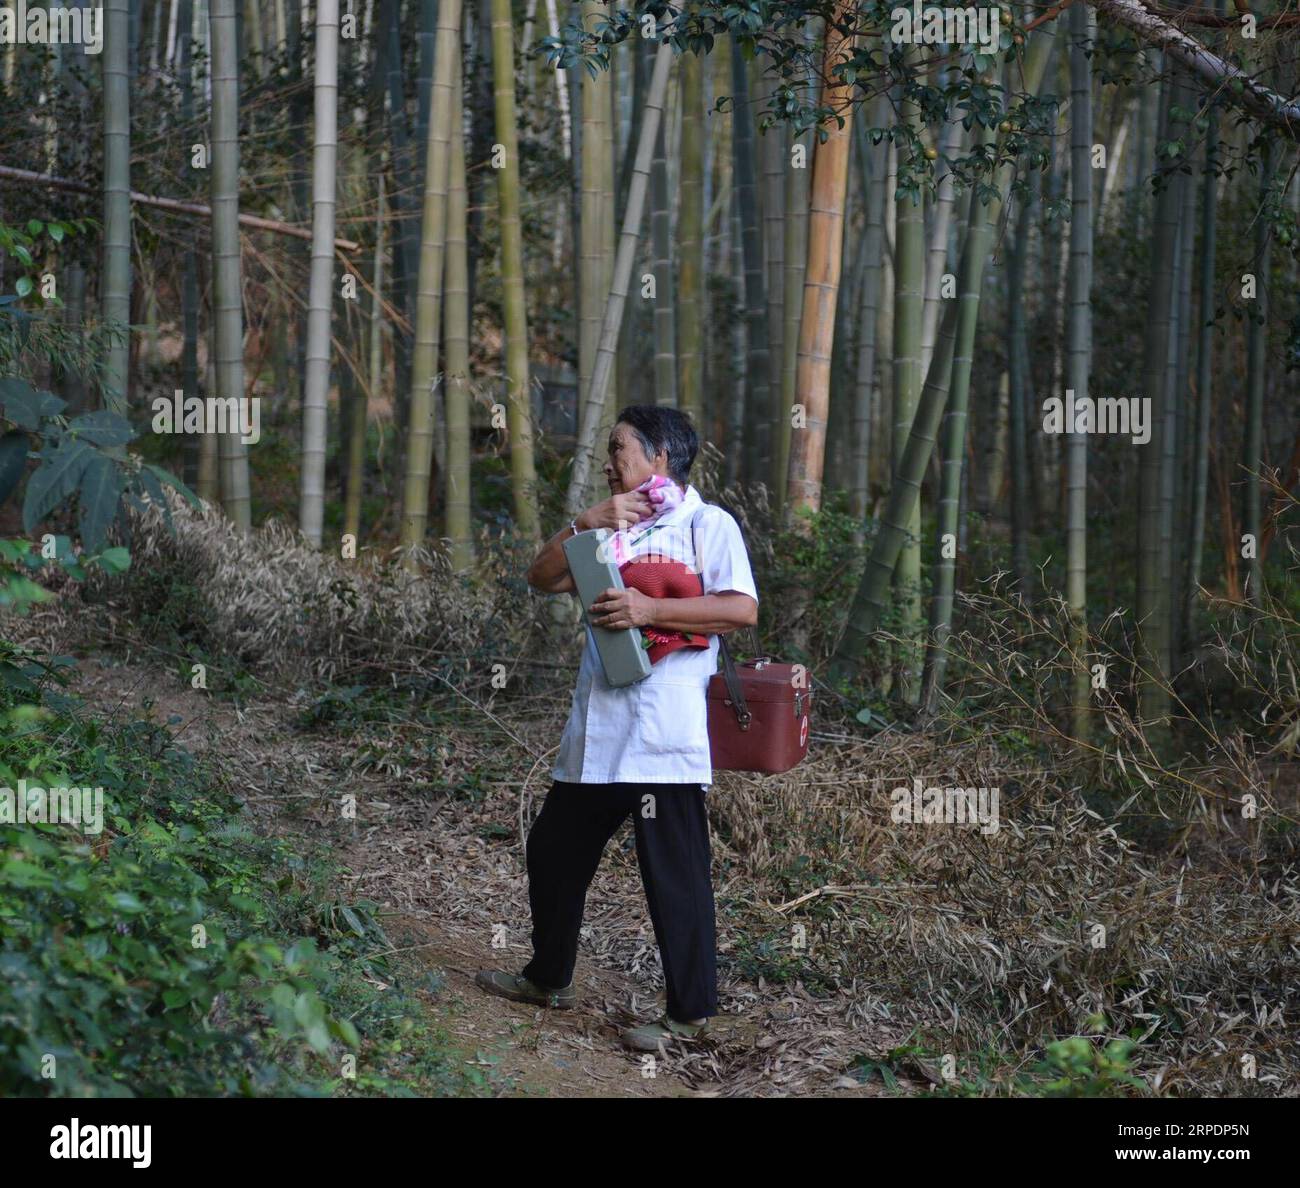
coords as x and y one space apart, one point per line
518 988
653 1036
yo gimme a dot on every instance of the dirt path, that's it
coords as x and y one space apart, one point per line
537 1053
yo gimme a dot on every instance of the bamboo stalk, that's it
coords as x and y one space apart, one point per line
1152 591
821 282
1078 359
227 287
459 517
1204 380
115 285
594 402
909 309
320 294
523 477
1256 361
691 304
756 422
665 307
953 451
424 367
873 162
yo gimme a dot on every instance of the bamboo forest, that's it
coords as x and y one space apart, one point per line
935 735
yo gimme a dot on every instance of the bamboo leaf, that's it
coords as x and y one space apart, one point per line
175 484
153 488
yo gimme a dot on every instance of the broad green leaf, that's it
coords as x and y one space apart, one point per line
126 901
103 427
23 286
308 1009
55 480
18 400
24 405
100 491
19 591
115 560
49 405
346 1031
18 873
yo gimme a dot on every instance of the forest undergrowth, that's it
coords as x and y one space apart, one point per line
1129 926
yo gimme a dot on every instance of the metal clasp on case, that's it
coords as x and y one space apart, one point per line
743 717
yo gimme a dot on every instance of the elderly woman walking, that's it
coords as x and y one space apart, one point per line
642 749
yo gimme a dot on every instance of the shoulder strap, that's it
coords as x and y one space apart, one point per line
735 691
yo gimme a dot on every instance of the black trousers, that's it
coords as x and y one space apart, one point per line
672 849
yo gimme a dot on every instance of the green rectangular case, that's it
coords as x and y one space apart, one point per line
622 656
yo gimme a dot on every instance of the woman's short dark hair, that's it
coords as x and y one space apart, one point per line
664 429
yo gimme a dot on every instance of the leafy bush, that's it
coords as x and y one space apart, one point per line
157 957
1076 1067
79 458
79 461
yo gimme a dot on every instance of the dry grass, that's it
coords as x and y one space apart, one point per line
278 605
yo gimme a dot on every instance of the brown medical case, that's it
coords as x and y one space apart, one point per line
758 714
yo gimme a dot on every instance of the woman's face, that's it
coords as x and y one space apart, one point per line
627 467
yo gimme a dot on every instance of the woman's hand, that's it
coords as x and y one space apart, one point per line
615 609
549 571
617 512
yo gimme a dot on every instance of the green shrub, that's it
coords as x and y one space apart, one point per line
162 955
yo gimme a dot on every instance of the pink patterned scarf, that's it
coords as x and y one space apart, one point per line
650 560
664 495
